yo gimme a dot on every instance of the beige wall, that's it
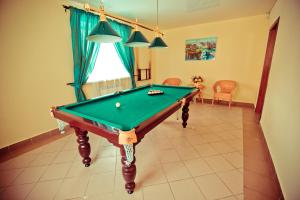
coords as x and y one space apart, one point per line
145 57
280 118
35 65
239 56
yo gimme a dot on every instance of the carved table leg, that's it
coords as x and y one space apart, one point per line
185 113
84 146
128 170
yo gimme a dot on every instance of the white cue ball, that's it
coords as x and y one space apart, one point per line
118 104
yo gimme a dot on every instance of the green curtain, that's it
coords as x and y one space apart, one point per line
84 52
126 53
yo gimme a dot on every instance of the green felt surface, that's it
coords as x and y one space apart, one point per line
136 106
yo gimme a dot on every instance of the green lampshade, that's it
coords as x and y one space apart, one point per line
103 33
137 39
158 43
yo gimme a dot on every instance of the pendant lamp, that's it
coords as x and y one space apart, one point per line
157 41
103 32
137 39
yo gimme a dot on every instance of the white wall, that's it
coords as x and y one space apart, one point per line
280 117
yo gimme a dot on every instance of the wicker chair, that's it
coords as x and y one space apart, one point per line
172 81
223 90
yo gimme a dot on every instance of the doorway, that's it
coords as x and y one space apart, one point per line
266 68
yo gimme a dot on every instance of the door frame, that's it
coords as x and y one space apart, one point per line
266 68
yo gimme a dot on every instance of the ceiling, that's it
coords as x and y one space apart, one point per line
178 13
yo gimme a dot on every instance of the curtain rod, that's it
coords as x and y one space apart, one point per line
122 19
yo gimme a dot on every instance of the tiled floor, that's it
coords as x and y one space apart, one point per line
203 161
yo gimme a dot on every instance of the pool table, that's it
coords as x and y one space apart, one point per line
123 118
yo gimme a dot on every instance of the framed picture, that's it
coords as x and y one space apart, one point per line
200 49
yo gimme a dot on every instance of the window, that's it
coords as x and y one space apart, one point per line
108 65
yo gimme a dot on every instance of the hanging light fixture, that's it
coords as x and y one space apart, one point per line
137 39
157 41
103 32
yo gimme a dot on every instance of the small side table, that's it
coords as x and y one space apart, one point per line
200 94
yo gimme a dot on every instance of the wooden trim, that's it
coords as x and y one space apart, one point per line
267 66
30 144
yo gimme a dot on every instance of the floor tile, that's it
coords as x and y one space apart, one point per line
198 167
18 162
30 175
101 183
8 176
43 159
121 194
108 151
150 175
222 147
180 142
211 137
206 150
158 192
16 192
229 198
237 144
187 153
53 147
65 156
218 163
235 159
233 180
212 187
226 135
109 196
71 144
103 165
143 158
175 171
168 156
163 144
72 188
44 190
196 139
186 190
56 171
240 197
78 169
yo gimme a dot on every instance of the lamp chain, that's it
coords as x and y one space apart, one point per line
157 13
101 5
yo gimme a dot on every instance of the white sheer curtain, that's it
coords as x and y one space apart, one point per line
101 88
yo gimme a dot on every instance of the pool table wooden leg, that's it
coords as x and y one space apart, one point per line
185 113
83 146
128 171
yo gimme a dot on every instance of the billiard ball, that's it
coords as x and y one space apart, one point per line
118 104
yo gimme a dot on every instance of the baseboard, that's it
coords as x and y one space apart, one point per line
234 103
29 144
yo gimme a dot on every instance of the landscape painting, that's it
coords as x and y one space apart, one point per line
200 49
